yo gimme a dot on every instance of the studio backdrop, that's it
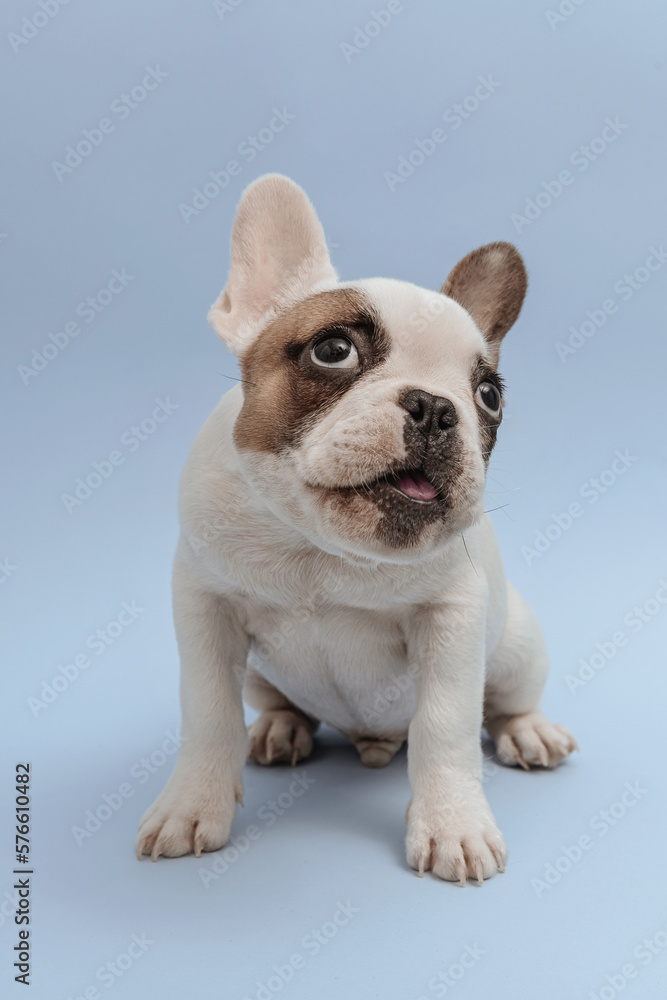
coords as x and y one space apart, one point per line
420 129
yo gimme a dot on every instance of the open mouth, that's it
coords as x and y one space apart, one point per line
412 483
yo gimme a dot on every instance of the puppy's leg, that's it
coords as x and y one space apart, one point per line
516 674
376 751
283 733
451 828
195 810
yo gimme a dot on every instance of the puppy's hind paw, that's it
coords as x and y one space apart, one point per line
531 740
376 751
281 736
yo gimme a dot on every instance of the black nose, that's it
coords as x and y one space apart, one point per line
430 413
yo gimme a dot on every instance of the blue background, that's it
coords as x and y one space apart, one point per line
67 574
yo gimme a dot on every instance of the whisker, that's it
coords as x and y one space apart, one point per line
468 554
500 507
514 490
244 380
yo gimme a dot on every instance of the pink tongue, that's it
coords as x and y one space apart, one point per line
417 487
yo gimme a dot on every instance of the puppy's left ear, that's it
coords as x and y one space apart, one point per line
491 284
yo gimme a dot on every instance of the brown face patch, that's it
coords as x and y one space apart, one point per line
488 423
284 390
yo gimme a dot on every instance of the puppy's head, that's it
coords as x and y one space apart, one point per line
370 407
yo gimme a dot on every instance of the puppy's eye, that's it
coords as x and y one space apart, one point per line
335 352
489 396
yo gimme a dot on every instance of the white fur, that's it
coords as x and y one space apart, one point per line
270 589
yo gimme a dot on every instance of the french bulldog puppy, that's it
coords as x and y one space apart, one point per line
335 553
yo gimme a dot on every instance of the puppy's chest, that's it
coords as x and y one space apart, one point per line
337 663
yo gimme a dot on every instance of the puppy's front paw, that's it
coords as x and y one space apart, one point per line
531 740
280 736
183 820
455 845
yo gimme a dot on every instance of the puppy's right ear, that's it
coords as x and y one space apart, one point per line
279 255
